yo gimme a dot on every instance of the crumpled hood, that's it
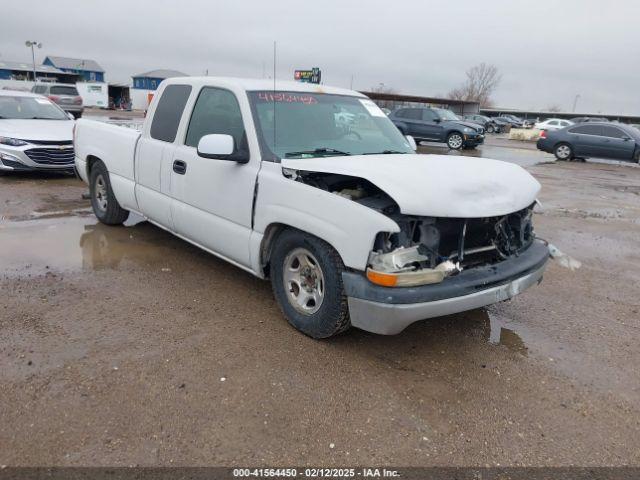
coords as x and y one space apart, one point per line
37 129
436 185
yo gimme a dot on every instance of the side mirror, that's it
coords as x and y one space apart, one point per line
70 115
412 142
436 120
221 147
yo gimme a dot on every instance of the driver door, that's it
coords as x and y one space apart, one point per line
213 199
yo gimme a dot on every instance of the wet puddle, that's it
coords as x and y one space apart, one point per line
520 156
496 330
508 337
68 243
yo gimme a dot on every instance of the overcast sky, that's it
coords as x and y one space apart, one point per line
547 51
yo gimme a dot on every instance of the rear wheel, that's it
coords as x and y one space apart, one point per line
563 151
306 277
104 203
455 141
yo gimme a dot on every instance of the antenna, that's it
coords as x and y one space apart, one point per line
274 94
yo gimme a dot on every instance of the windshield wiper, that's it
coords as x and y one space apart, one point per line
317 151
385 152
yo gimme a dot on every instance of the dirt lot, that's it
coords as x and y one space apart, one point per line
127 346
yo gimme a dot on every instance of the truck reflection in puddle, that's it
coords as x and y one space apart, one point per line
497 334
106 247
72 243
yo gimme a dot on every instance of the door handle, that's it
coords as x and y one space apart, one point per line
180 167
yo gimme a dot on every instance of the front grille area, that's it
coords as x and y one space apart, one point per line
51 156
50 142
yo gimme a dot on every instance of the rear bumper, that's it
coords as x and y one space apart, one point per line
69 107
544 145
388 311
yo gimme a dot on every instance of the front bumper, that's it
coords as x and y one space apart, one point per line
474 140
388 311
31 157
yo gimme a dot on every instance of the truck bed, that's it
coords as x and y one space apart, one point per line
115 145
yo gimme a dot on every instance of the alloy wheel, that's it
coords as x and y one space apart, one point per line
455 141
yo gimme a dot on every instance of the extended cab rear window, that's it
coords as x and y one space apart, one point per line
169 111
64 91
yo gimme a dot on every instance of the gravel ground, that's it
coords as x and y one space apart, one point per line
127 346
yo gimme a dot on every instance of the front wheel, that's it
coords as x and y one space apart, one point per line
306 277
491 129
563 151
636 156
455 141
104 203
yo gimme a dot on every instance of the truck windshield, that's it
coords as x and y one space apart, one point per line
28 108
302 125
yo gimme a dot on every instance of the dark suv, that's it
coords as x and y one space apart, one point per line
438 125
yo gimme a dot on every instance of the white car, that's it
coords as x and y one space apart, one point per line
35 134
553 124
352 227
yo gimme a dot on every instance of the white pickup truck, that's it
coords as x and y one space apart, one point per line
351 226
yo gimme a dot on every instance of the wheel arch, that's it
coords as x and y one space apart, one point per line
269 239
91 162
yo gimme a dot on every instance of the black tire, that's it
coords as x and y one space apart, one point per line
105 206
491 129
563 152
636 156
455 140
332 315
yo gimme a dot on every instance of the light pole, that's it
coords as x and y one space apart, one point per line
575 102
34 43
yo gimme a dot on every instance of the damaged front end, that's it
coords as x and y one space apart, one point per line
427 250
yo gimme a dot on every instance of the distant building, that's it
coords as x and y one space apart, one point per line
23 71
87 70
150 80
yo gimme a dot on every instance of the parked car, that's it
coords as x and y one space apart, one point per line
553 124
512 121
490 125
352 228
437 125
65 95
600 140
35 134
588 119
